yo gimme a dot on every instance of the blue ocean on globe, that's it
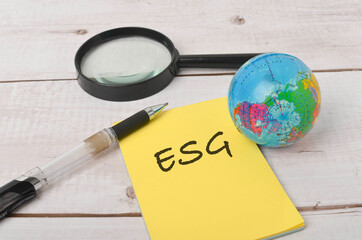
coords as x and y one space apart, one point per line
274 99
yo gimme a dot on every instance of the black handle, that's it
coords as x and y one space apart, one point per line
131 124
214 60
14 194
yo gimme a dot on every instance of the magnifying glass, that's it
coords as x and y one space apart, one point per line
131 63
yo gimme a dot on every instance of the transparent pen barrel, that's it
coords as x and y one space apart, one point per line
74 157
67 161
79 154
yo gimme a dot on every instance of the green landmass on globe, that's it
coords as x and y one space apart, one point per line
274 99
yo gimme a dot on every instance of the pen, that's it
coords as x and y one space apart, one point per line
26 187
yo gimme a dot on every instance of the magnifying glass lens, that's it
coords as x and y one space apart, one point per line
125 61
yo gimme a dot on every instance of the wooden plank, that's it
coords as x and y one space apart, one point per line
331 225
73 228
39 40
324 225
41 120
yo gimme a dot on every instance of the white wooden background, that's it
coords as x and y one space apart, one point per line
43 111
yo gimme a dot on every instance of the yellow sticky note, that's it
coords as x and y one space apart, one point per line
196 177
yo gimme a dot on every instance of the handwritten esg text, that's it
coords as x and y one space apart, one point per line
166 161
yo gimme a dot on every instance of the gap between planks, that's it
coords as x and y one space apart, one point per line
184 75
136 214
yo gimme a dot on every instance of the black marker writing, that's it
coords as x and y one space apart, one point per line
160 161
226 145
182 150
185 150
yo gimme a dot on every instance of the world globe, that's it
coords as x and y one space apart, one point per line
274 99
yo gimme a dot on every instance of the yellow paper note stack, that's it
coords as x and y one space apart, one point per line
196 177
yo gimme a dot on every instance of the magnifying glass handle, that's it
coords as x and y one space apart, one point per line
214 60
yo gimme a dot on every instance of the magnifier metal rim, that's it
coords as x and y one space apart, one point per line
131 91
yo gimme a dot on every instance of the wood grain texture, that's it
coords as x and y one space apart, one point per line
39 38
73 228
322 226
41 120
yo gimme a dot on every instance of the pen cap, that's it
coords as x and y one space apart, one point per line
14 194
